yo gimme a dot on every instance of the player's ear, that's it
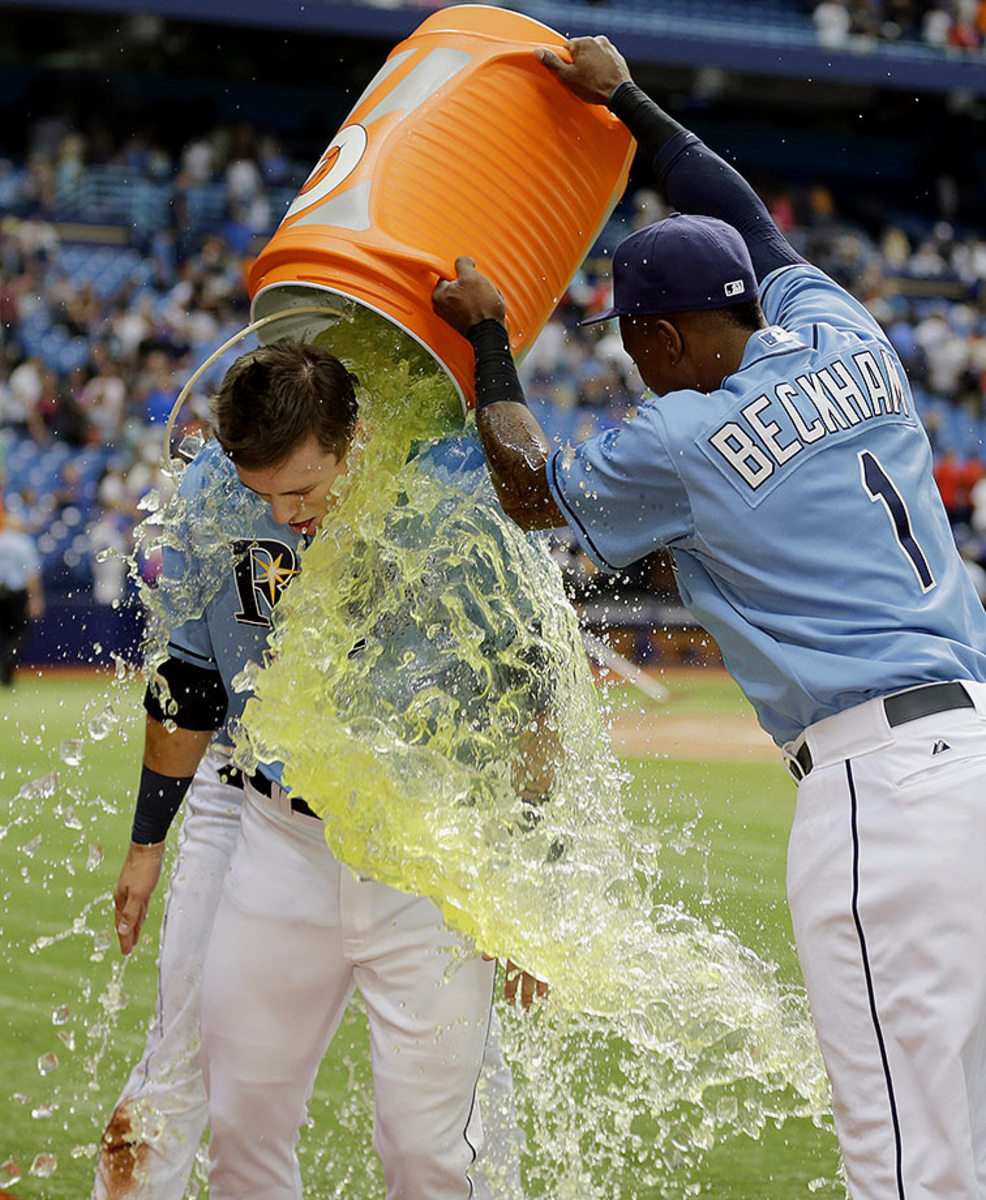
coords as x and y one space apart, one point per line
668 336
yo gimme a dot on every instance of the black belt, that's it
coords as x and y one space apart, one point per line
234 777
900 708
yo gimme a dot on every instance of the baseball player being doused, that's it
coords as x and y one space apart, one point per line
781 459
296 931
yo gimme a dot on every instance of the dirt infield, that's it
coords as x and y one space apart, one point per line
660 733
717 731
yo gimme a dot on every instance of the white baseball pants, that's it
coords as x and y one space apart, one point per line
887 888
151 1140
150 1143
295 932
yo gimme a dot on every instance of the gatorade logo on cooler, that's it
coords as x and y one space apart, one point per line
319 202
342 157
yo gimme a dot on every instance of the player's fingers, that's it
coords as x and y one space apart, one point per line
550 59
464 264
129 923
511 978
527 984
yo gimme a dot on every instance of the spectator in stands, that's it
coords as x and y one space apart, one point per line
935 26
21 594
964 31
25 395
103 400
833 23
198 163
948 473
110 542
157 388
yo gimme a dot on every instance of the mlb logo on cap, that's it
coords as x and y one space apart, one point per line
681 264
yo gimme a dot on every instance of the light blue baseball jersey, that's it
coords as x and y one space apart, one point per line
19 559
227 565
799 504
229 561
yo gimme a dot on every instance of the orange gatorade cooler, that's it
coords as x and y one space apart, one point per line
463 143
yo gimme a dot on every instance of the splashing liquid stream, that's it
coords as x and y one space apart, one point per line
427 689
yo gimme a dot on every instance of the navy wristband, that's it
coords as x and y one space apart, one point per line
496 373
159 797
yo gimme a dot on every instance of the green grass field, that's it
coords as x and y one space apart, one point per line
69 749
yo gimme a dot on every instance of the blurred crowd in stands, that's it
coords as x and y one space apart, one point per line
97 337
943 24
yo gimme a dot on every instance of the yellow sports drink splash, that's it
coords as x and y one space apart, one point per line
426 686
463 143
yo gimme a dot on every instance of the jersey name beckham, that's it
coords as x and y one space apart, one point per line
800 508
793 414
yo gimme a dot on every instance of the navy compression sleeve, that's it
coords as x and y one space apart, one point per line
496 372
198 698
694 179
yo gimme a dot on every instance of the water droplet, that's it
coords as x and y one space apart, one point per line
70 818
43 1110
39 789
101 725
94 858
67 1037
44 1165
101 939
20 1098
10 1173
90 1150
60 1015
71 752
30 848
47 1063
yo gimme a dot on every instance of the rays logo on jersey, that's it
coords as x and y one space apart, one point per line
263 568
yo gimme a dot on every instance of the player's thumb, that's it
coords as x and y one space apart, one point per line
129 919
550 59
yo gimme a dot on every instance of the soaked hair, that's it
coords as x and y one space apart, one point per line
273 399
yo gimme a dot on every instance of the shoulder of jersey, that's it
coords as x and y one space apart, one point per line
210 460
452 459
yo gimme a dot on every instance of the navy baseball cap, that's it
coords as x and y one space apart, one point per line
681 264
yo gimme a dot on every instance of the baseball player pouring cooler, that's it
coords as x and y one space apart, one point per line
295 931
782 461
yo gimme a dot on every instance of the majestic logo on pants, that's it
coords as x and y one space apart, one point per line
263 569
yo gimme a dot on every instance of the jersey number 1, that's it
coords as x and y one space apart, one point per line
879 486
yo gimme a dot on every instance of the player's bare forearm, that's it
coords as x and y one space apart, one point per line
513 441
171 758
173 752
516 452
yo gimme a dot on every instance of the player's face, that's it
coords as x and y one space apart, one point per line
299 488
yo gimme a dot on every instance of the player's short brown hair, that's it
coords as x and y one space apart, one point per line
273 399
